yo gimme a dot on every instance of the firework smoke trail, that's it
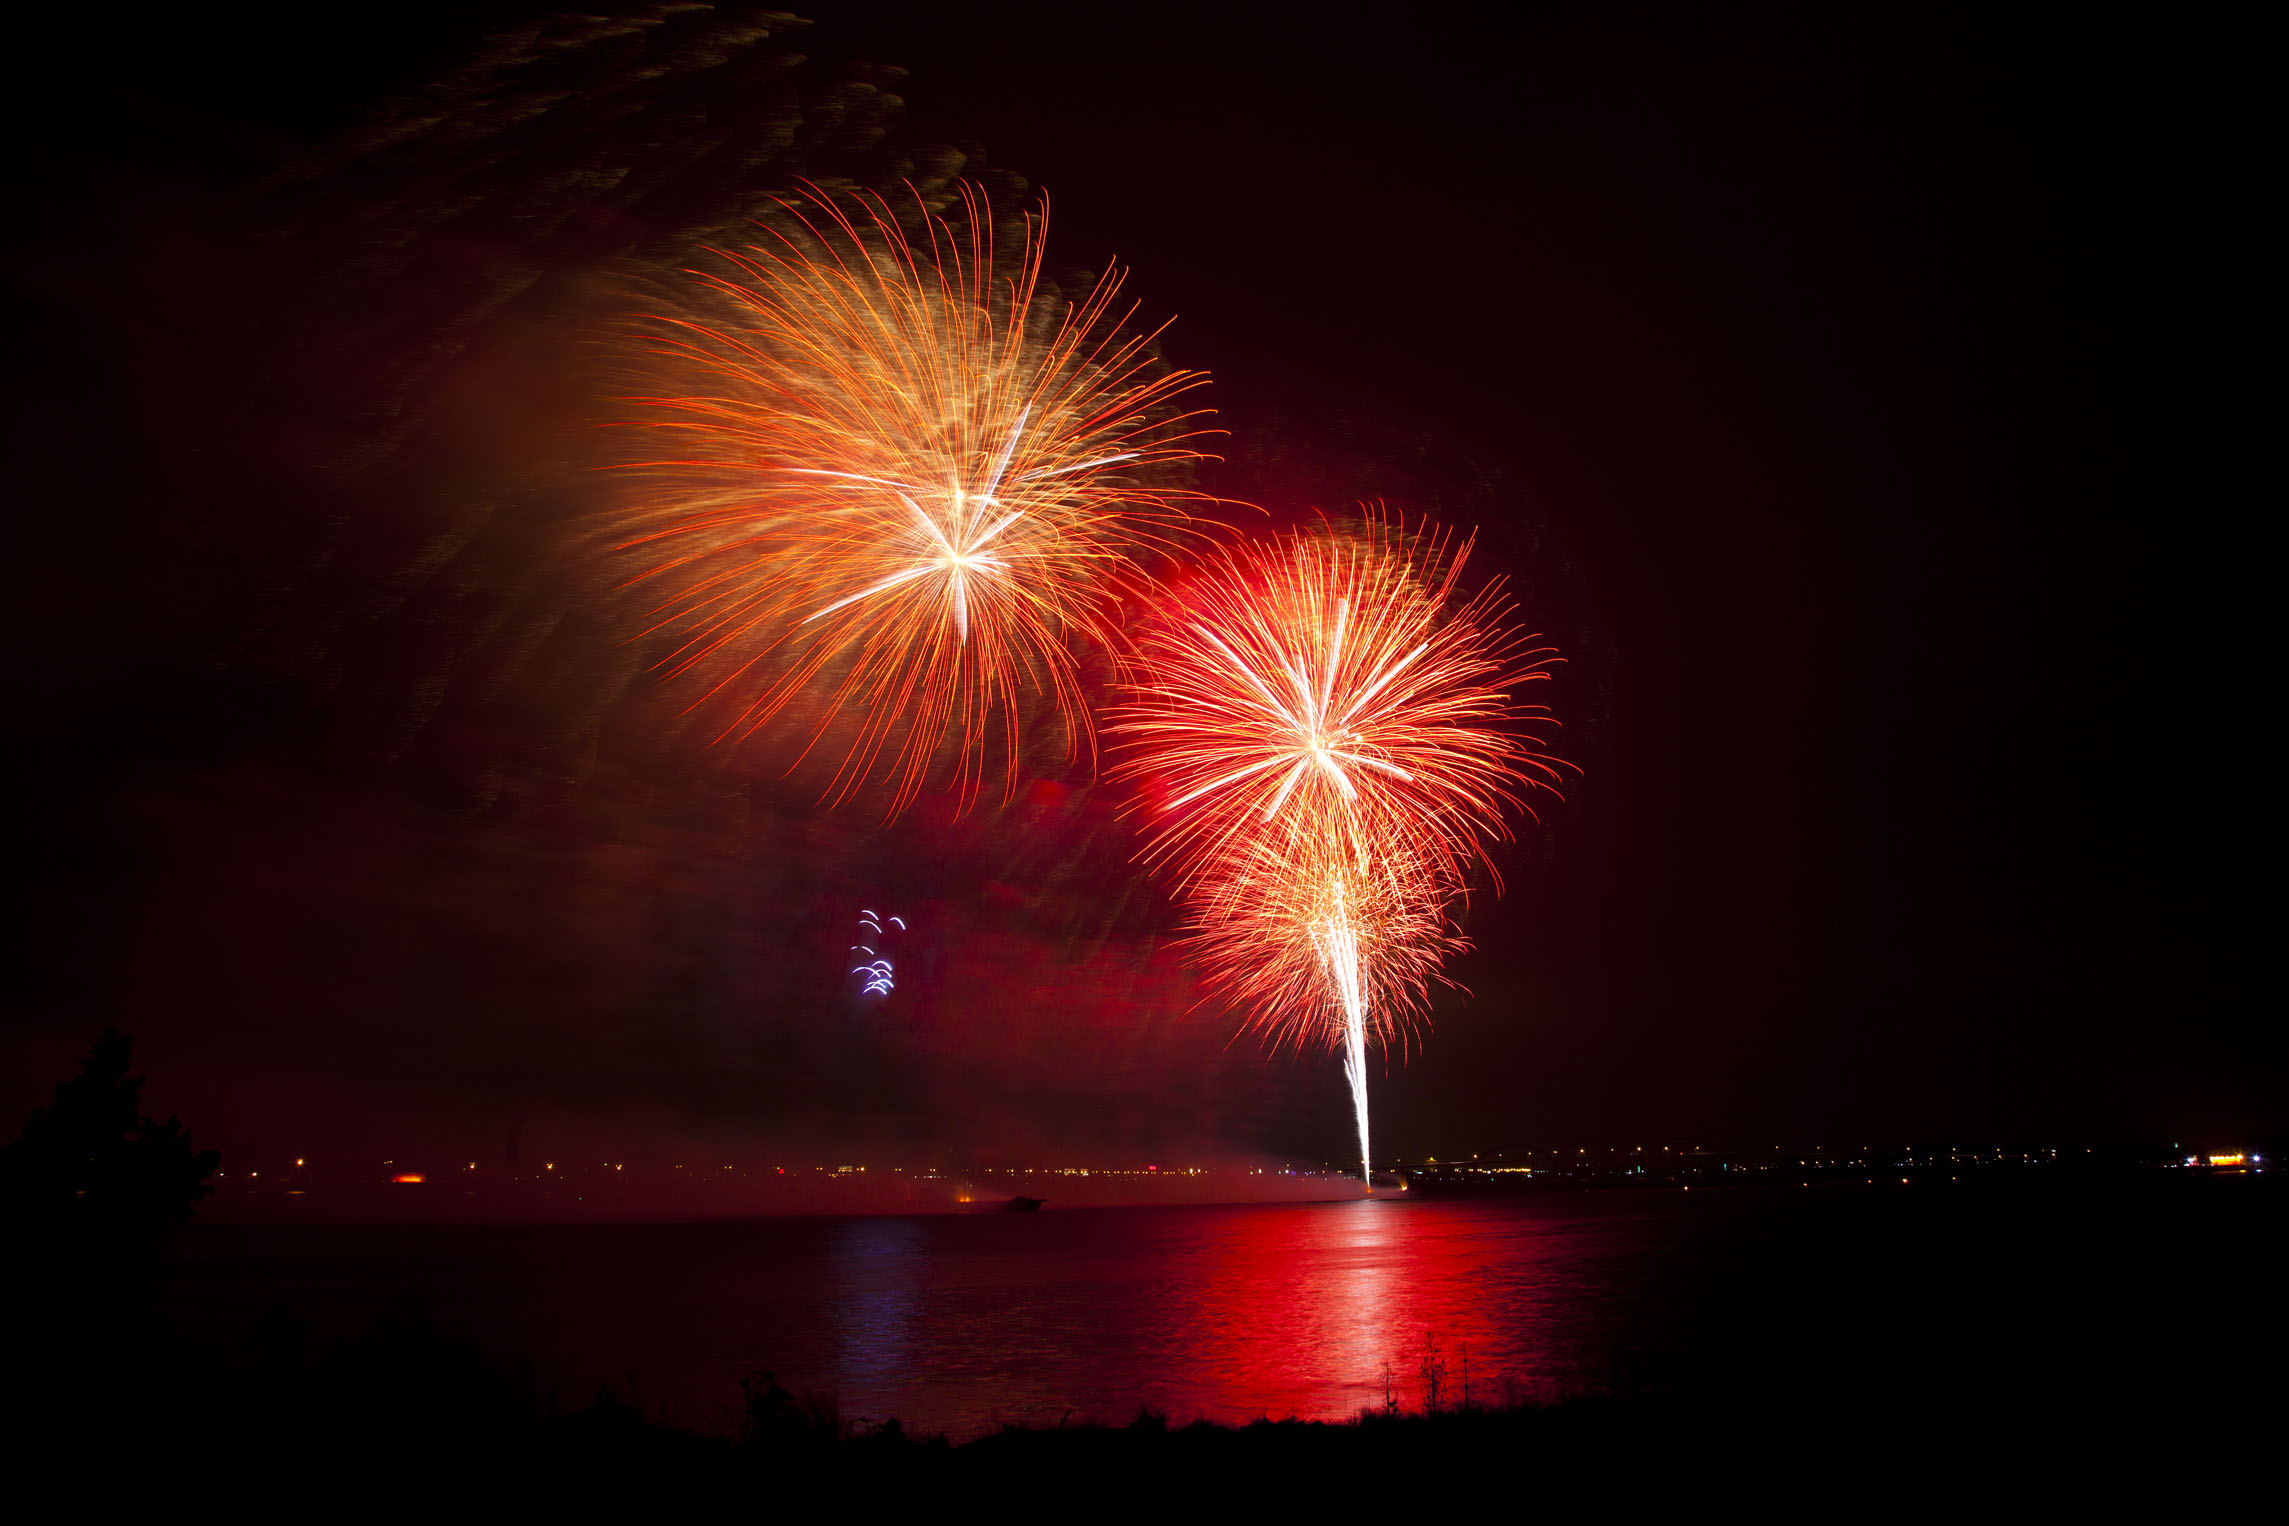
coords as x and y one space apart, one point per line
1331 728
910 479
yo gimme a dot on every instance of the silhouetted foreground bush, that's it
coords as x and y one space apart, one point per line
92 1178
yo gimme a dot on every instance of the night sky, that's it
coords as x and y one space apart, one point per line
1868 406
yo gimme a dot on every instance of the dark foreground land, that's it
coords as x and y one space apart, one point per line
1847 1455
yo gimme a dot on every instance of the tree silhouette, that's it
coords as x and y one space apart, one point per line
92 1173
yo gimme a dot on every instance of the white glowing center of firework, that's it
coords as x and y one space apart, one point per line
1315 734
956 541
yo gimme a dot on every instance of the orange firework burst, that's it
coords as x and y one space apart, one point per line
913 482
1330 733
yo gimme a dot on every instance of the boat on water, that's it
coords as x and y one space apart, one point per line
1023 1205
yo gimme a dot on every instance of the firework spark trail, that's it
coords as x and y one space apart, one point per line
1332 729
1326 941
1338 940
911 478
1313 934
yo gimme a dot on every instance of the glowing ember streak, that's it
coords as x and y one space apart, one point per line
913 480
1332 729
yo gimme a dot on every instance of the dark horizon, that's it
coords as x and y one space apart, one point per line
1867 407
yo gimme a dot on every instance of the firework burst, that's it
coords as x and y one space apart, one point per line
909 480
1335 682
1329 733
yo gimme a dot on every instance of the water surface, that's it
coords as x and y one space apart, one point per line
1951 1299
964 1322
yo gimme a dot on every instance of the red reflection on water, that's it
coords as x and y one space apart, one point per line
1222 1313
1299 1312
